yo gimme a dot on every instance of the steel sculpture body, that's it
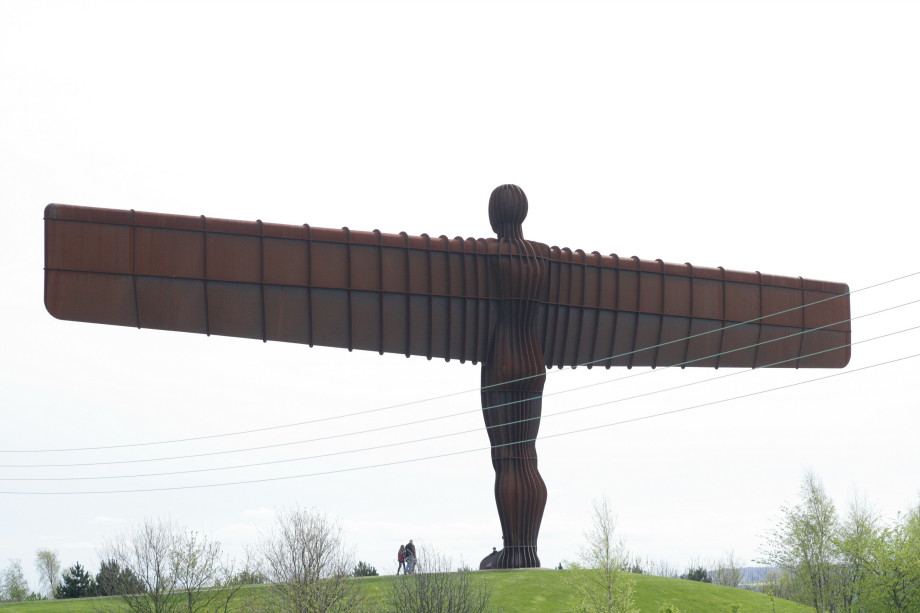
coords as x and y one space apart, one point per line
517 306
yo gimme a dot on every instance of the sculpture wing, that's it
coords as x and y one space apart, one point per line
415 295
392 293
610 311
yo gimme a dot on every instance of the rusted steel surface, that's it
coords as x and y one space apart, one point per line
513 375
515 305
423 296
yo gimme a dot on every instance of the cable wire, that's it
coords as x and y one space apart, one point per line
441 417
451 394
455 453
451 434
430 419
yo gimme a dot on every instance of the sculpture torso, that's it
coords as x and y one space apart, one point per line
516 354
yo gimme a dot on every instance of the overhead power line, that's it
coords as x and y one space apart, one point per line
456 414
451 394
455 453
433 437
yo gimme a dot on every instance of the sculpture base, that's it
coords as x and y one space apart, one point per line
511 557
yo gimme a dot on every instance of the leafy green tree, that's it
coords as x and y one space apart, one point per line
898 564
600 582
76 583
803 545
13 585
858 565
858 542
48 567
363 569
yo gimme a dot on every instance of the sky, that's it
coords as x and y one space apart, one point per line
772 136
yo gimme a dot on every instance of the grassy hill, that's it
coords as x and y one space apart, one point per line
526 591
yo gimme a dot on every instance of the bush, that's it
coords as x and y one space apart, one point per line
697 573
363 569
308 564
249 577
434 588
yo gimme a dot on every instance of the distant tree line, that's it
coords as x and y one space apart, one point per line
74 582
727 570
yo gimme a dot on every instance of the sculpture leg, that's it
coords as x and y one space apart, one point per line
513 419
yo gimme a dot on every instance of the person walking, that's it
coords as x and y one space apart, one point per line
401 558
410 558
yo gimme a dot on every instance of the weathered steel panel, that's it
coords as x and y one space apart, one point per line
162 271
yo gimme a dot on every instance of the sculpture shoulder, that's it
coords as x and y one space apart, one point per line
540 249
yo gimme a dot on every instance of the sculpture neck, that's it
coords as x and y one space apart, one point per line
510 231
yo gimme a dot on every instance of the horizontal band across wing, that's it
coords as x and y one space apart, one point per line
417 295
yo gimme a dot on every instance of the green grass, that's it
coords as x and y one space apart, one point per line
77 605
544 591
524 591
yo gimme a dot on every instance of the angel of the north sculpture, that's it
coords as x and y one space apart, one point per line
515 306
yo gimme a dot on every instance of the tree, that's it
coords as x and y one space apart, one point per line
600 582
48 567
859 565
434 588
697 573
305 559
363 569
803 545
77 583
196 565
176 569
145 550
777 583
728 571
13 585
858 543
112 580
249 576
660 568
898 564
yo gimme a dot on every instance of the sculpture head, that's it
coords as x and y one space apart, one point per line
507 211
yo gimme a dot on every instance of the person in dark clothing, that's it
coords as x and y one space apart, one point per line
410 558
489 560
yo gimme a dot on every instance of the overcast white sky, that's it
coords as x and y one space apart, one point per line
780 137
